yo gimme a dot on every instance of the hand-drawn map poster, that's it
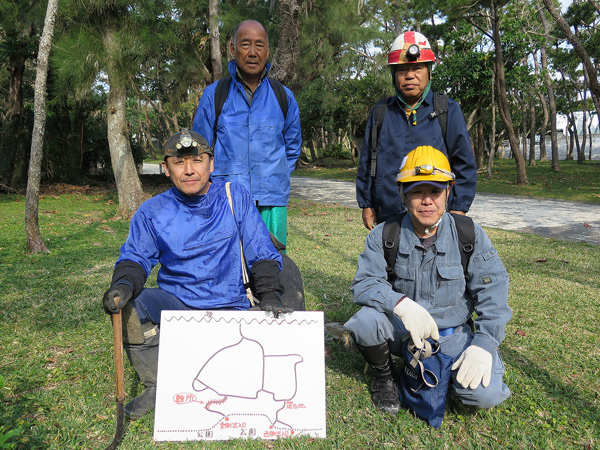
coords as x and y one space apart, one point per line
240 374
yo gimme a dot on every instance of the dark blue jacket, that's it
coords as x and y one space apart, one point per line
397 138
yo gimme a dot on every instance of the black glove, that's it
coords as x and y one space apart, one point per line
271 302
121 290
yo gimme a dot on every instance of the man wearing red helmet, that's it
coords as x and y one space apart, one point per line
411 120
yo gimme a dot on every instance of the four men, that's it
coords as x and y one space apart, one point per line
255 136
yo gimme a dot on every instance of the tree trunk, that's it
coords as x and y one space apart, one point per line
284 60
215 40
492 154
523 122
588 65
127 180
35 244
503 106
11 133
544 126
549 87
532 132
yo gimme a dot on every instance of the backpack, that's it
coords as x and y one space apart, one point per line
391 239
440 110
222 91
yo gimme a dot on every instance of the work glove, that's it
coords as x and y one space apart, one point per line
417 321
271 302
474 367
116 290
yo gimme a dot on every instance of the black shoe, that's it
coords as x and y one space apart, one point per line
142 404
384 393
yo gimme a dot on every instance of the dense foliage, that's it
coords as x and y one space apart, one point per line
164 61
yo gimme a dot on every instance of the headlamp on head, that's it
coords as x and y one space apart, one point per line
186 141
413 52
425 169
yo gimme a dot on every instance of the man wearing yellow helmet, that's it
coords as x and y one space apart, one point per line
430 296
405 121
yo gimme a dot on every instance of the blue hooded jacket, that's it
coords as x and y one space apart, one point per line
255 146
197 242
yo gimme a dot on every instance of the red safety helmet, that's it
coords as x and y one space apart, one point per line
410 47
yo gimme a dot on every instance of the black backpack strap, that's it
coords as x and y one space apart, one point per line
390 240
221 93
466 235
379 111
440 110
280 94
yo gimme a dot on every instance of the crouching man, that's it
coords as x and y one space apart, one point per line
191 231
429 294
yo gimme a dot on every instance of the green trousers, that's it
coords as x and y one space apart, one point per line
275 217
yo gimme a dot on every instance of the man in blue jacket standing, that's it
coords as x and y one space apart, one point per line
193 233
256 137
410 120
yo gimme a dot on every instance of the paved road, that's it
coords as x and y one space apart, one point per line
571 221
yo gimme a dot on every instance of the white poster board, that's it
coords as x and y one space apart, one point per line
240 374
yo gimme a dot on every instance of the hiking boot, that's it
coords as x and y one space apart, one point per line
384 393
142 404
384 390
144 359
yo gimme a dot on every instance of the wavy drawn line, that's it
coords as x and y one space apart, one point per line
269 321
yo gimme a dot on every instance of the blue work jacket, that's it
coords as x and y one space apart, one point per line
197 243
397 138
434 279
255 146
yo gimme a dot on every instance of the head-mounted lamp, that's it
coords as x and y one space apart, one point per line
413 52
424 169
186 140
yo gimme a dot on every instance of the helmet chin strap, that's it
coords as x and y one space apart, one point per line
434 226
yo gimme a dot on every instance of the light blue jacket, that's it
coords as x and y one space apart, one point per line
197 243
255 146
434 278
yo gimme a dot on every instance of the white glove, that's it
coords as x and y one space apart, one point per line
417 321
475 367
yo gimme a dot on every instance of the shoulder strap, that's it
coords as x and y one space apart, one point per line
440 110
390 241
379 113
245 276
466 236
221 93
280 94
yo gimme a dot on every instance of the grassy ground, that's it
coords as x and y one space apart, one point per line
578 182
56 370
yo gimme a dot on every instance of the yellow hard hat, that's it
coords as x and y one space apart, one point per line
425 164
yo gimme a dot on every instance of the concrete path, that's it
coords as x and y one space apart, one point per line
570 221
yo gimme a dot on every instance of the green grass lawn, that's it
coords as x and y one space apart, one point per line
57 377
578 182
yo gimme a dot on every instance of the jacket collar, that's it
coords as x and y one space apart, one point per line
410 240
